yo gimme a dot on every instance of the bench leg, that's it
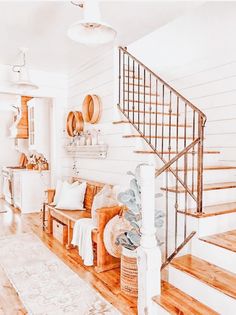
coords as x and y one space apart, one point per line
49 225
69 236
104 260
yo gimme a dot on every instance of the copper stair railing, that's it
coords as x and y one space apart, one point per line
174 129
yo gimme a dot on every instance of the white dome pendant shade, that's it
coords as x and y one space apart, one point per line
23 83
91 30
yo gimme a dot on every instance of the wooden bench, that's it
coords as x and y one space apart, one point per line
104 261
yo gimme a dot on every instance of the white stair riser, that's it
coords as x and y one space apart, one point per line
214 254
209 225
210 159
209 296
210 197
214 176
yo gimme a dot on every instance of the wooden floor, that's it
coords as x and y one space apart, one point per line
106 283
226 240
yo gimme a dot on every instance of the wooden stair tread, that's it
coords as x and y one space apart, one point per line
129 70
212 168
136 84
212 275
148 112
172 152
147 102
206 187
176 302
157 137
141 93
152 123
133 77
209 211
226 240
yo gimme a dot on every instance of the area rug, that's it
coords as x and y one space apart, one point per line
45 285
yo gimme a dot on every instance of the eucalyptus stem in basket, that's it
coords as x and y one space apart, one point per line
131 198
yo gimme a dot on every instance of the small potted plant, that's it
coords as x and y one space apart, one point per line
130 239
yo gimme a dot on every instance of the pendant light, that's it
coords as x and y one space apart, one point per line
91 30
23 83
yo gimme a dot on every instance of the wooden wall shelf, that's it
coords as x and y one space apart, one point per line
88 151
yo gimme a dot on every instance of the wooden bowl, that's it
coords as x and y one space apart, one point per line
69 124
79 122
92 108
74 123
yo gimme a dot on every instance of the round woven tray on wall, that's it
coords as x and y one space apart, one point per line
92 109
129 275
74 123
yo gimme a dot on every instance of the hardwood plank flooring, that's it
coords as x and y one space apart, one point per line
212 210
212 275
9 300
226 240
106 283
177 302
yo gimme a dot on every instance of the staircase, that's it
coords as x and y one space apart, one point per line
199 193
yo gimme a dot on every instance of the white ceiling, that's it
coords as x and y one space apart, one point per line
42 25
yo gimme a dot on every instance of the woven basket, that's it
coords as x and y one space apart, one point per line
129 273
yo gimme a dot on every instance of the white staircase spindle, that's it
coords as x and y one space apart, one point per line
149 255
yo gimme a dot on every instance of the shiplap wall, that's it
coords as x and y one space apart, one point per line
98 77
212 87
198 59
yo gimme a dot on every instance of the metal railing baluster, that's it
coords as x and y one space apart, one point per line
128 83
156 111
150 115
147 129
133 89
162 127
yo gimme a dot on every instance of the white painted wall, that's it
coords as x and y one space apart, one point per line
51 85
196 55
8 154
98 77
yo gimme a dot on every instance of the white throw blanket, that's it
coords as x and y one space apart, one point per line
82 237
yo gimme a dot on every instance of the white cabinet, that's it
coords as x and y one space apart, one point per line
29 189
39 125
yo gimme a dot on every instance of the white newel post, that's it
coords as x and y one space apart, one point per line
149 255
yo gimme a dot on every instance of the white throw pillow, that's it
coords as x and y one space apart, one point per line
72 196
104 198
57 192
